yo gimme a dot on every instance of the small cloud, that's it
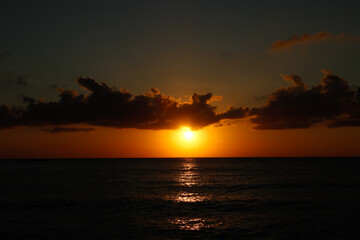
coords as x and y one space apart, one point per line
67 130
16 80
281 45
56 86
223 124
225 55
5 54
21 80
261 98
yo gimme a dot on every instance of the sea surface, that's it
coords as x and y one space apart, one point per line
216 198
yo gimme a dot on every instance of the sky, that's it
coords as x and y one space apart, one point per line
129 78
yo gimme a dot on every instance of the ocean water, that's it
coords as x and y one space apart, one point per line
237 198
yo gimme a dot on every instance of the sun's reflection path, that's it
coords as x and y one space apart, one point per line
190 197
194 223
190 224
188 175
189 178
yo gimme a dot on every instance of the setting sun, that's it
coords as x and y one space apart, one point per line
188 134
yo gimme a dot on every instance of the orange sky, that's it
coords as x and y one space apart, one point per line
233 141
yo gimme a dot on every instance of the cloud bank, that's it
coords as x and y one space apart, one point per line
332 103
281 45
110 107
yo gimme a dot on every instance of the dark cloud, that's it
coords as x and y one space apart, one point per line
106 106
11 78
56 85
280 45
16 80
223 124
225 55
9 117
235 113
6 54
67 129
262 97
21 80
332 102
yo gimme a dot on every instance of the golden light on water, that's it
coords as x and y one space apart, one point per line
190 197
194 223
190 179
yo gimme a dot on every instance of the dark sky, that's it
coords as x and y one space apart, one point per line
176 46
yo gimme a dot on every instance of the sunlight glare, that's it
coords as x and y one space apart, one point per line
188 134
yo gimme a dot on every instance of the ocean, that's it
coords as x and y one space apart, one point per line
195 198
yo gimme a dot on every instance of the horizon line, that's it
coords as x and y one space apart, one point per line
185 158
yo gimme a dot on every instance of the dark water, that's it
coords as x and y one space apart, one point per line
263 198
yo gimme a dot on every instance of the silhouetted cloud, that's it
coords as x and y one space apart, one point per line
21 80
280 45
223 124
56 85
332 103
6 54
262 97
235 113
106 106
15 80
67 129
9 117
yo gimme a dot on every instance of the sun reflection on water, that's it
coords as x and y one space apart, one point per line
189 197
190 224
190 179
188 175
194 223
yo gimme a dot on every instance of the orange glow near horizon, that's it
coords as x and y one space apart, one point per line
235 141
186 142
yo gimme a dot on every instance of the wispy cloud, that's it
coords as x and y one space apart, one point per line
67 129
5 54
281 45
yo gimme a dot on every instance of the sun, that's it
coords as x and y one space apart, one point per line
189 142
188 134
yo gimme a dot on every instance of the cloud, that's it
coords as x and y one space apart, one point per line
332 103
67 129
56 85
9 117
281 45
261 97
11 78
110 107
20 81
5 54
